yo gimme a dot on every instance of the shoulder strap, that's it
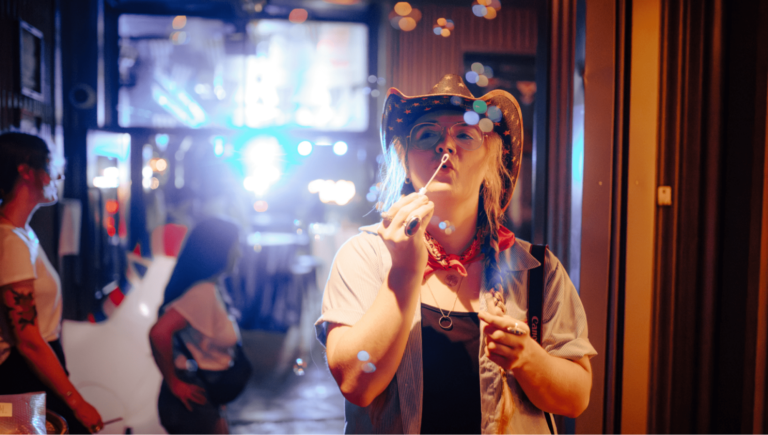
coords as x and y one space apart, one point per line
536 292
536 306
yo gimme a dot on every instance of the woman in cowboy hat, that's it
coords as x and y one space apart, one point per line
422 314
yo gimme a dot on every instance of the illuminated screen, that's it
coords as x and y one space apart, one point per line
195 72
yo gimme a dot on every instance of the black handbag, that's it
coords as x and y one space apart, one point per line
222 386
535 307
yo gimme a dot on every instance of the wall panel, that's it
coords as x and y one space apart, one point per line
14 105
419 58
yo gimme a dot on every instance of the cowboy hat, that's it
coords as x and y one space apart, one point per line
496 111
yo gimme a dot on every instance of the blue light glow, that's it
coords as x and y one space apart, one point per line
472 77
218 146
162 141
305 148
340 148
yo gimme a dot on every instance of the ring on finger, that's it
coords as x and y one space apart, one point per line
515 330
411 225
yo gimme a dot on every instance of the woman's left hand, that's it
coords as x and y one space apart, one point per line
507 349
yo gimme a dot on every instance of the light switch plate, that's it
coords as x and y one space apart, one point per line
664 197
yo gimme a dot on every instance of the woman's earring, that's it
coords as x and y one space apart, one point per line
407 180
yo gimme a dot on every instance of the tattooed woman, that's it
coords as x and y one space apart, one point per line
31 356
423 313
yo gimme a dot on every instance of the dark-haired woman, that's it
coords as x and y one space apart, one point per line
193 309
423 314
31 356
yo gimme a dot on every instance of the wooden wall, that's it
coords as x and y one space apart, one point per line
416 60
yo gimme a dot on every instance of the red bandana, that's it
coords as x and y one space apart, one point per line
440 260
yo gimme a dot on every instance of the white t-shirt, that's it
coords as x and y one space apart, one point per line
212 334
22 258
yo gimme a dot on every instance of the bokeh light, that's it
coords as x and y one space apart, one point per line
446 33
218 145
490 13
394 20
338 192
471 118
369 367
299 367
438 30
478 68
403 8
298 16
407 24
415 14
449 24
260 206
488 72
112 206
482 80
479 10
471 77
441 22
305 148
161 165
178 38
155 183
340 148
179 22
363 356
162 140
496 4
479 106
314 186
494 113
486 125
456 100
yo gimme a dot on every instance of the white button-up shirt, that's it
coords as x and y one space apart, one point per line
359 269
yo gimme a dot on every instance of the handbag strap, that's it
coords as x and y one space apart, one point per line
183 347
536 306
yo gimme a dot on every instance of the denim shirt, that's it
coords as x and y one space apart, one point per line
361 266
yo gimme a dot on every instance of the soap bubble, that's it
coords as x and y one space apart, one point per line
486 125
494 113
471 118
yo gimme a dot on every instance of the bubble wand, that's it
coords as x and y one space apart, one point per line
423 190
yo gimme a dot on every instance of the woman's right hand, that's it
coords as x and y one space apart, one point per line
88 416
188 393
408 253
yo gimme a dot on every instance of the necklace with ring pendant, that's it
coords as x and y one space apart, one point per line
445 321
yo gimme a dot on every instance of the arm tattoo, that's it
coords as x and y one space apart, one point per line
24 307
